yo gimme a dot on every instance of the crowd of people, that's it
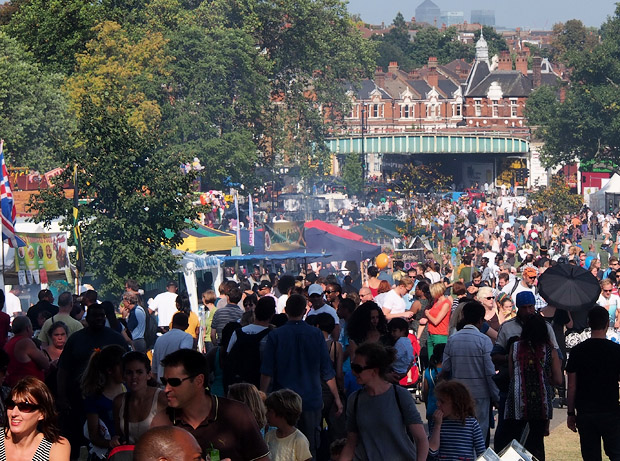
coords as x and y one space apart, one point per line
325 365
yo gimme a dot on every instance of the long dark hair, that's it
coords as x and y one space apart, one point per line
535 331
359 324
35 391
183 304
424 287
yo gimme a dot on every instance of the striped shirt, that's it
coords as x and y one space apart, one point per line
227 314
42 453
459 442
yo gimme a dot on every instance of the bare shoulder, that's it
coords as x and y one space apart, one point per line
61 450
161 419
162 401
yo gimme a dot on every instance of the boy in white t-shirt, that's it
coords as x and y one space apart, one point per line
286 443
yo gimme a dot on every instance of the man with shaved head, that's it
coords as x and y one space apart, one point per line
167 443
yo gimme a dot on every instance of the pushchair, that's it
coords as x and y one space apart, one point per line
413 380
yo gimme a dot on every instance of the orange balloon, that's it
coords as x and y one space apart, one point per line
382 261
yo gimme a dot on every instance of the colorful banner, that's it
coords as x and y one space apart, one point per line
42 251
284 236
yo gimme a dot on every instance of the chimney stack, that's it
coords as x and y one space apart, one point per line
379 77
521 64
393 67
505 61
433 76
537 71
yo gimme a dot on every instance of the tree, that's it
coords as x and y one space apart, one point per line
557 200
541 105
352 174
586 125
571 37
417 178
444 45
395 46
138 198
34 112
55 30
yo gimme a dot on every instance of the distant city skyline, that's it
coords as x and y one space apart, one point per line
527 14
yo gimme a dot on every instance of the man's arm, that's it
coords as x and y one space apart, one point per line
265 381
571 421
421 441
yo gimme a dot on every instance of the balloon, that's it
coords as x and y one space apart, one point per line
382 261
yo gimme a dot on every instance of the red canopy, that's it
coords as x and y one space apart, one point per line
334 230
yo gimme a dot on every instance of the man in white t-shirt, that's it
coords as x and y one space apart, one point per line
165 304
315 295
13 303
393 303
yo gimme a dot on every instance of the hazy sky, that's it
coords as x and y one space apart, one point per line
527 14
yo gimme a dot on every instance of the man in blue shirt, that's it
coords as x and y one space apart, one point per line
296 358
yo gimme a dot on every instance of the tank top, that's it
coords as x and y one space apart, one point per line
17 370
136 429
42 453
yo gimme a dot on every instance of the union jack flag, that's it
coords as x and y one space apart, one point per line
9 213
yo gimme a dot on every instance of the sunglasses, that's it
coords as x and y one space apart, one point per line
24 407
174 382
330 292
607 291
490 297
357 368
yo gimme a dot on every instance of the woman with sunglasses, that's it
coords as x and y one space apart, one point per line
32 431
611 302
135 409
486 298
380 416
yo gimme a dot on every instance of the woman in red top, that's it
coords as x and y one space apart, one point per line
438 317
373 282
26 358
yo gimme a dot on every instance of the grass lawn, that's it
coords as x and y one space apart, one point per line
563 445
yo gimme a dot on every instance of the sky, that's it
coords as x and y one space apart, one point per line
527 14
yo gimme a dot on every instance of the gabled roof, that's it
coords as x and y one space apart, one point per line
365 88
513 83
478 73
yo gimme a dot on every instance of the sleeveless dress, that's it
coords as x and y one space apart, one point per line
42 453
136 429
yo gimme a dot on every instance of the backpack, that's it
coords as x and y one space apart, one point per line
150 328
243 362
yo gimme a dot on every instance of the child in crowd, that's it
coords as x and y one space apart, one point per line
431 376
286 443
335 449
399 329
456 433
251 396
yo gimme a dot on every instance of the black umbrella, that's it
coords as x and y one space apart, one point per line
569 287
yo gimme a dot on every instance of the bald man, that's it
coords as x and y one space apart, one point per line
168 443
365 295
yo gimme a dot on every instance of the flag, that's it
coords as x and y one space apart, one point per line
77 236
250 221
238 222
9 212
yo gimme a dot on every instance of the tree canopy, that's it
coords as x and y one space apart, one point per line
586 125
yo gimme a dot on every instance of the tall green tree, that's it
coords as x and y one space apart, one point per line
442 44
571 37
586 126
34 112
55 30
138 198
353 174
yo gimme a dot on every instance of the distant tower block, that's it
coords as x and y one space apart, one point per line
483 17
429 13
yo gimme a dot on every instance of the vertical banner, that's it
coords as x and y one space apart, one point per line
250 221
238 222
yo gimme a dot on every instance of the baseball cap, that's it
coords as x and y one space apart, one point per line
315 289
525 298
264 284
530 271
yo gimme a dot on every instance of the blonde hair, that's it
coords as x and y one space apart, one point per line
286 404
437 289
251 396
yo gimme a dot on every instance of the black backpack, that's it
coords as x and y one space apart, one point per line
243 362
150 328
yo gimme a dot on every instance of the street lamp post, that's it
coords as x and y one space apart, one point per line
363 128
